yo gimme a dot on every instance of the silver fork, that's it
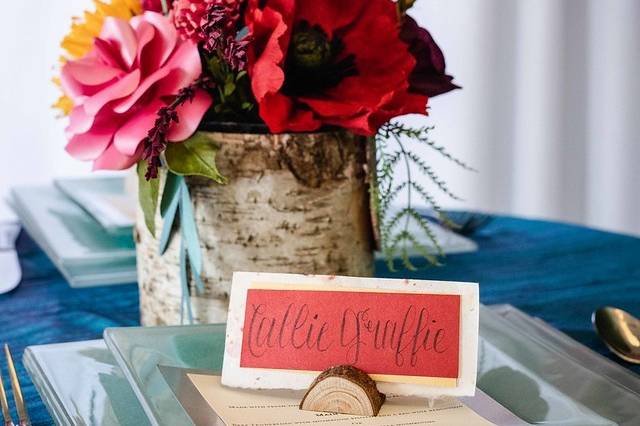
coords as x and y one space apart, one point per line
23 417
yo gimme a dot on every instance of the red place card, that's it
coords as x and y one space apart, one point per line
381 333
413 337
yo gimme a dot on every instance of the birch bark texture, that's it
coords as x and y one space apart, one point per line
294 203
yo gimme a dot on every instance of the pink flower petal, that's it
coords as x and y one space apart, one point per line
89 146
108 53
120 32
145 33
121 88
128 137
90 73
172 83
166 33
186 59
71 87
190 115
112 159
79 122
125 104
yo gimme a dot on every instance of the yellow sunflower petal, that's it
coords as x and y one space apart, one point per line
64 104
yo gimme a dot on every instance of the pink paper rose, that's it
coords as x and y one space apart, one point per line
135 68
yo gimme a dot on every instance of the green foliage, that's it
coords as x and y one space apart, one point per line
391 144
195 156
147 196
233 98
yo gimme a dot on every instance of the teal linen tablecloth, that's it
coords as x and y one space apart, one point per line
558 272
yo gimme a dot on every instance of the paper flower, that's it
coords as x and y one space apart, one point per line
79 41
192 17
315 63
155 5
117 89
428 77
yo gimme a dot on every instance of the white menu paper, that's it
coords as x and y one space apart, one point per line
242 407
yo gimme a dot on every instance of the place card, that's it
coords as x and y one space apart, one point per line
413 337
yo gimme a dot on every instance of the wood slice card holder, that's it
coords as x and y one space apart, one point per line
343 389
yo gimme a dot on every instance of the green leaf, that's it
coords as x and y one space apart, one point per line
148 197
195 156
229 88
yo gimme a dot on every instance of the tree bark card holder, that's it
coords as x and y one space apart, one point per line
410 337
343 389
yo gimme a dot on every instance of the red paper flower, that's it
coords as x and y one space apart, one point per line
428 77
191 16
329 62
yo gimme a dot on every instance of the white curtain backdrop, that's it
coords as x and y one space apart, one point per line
31 137
550 108
549 112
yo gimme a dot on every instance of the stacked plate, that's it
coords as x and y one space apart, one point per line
133 376
84 226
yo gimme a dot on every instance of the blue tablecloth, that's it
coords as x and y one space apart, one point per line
558 272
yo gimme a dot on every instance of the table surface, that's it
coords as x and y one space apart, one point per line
558 272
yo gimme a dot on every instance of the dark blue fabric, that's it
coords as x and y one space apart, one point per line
558 272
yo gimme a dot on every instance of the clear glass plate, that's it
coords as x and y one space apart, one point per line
538 377
140 350
105 199
81 384
80 248
565 365
514 369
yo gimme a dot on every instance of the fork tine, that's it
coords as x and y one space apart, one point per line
6 415
17 392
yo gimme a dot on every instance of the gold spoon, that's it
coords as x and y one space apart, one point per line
620 331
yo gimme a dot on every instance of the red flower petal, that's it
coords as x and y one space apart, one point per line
280 114
271 33
361 102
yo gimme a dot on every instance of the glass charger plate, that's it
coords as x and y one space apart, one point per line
140 350
68 401
95 393
564 365
537 382
100 395
105 198
80 248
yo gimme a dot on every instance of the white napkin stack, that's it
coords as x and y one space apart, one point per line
10 272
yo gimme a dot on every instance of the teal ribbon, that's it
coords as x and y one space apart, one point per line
176 199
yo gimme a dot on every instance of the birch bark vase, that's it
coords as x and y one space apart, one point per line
295 203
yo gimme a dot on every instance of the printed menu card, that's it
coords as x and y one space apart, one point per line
236 407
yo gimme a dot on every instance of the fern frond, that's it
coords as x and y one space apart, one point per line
391 142
428 170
